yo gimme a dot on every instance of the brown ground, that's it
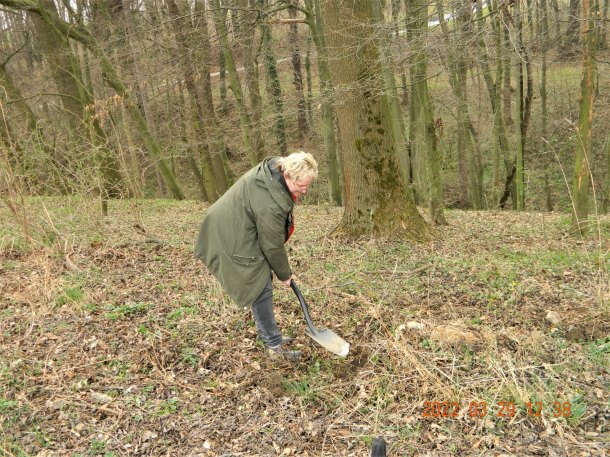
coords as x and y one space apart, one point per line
126 346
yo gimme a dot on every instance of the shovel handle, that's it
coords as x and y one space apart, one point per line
299 295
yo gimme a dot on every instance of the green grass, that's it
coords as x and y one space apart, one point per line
168 407
301 388
578 409
70 295
305 387
599 352
8 407
126 310
189 357
180 313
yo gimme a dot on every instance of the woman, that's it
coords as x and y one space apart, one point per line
243 234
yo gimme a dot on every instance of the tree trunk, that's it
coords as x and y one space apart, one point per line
572 36
519 108
66 73
189 138
401 69
234 84
495 98
544 46
507 92
391 93
274 88
603 27
423 127
62 65
309 79
557 19
515 180
249 19
222 76
316 26
10 94
376 201
297 75
220 161
209 131
470 188
582 164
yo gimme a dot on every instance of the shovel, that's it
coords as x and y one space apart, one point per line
323 336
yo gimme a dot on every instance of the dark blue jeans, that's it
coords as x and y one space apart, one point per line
262 310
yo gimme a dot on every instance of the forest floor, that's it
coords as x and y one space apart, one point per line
115 341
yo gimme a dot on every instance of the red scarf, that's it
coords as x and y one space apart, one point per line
291 228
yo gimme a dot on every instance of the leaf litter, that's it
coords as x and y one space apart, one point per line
132 348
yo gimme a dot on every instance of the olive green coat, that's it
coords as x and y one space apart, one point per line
242 236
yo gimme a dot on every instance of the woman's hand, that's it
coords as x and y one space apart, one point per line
287 282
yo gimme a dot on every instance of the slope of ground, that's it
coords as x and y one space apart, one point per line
115 341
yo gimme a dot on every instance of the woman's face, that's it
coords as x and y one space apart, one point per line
298 187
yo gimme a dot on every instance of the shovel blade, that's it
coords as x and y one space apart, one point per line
330 341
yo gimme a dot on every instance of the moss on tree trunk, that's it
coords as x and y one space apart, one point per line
376 199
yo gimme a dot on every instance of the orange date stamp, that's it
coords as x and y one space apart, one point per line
501 409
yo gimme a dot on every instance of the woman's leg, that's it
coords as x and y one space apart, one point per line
268 332
264 317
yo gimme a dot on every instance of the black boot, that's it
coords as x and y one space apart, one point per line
280 352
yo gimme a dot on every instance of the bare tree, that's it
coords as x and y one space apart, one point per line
376 201
582 161
297 75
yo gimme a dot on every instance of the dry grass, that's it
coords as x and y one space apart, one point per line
115 343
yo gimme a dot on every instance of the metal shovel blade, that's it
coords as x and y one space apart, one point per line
323 336
329 340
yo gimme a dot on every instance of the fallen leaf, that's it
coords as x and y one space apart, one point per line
148 435
553 317
100 398
412 325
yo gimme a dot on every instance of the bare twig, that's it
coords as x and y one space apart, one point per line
401 272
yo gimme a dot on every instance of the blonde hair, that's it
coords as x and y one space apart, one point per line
298 165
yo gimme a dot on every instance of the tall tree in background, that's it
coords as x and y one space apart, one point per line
10 94
524 93
396 26
543 40
235 85
603 26
112 78
391 92
582 163
376 199
113 22
214 162
422 133
297 75
274 88
313 17
66 72
500 137
519 165
458 40
571 43
62 64
248 18
556 14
